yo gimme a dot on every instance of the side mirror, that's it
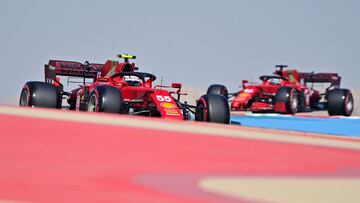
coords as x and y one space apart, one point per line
176 85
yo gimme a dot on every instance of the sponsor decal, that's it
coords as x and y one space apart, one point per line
167 105
244 94
171 112
78 99
248 91
73 69
163 98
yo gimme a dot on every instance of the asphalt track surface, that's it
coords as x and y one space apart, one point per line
62 156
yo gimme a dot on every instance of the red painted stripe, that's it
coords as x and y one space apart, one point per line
57 161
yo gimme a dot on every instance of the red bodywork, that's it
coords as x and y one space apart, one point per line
261 97
142 97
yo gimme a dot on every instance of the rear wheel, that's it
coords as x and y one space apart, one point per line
218 89
105 98
212 108
288 97
40 94
340 102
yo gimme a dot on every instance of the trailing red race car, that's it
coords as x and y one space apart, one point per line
290 91
116 87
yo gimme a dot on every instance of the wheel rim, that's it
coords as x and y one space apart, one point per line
294 102
24 98
349 104
92 104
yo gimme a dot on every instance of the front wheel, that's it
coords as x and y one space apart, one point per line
286 100
212 108
340 102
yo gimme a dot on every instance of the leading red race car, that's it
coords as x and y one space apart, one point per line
116 87
288 91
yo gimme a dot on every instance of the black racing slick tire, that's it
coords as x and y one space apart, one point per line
212 108
40 94
105 98
302 102
290 97
218 89
340 102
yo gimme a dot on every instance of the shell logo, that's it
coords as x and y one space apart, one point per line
167 105
244 94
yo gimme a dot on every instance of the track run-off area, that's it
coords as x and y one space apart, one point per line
63 156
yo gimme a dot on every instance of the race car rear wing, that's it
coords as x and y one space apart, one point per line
333 78
70 68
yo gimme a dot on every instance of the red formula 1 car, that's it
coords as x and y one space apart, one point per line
116 87
288 91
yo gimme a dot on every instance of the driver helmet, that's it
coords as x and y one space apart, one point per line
275 81
132 80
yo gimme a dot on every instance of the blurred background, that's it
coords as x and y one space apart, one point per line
194 42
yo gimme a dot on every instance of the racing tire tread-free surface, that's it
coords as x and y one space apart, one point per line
213 108
302 102
40 94
218 89
340 102
105 98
